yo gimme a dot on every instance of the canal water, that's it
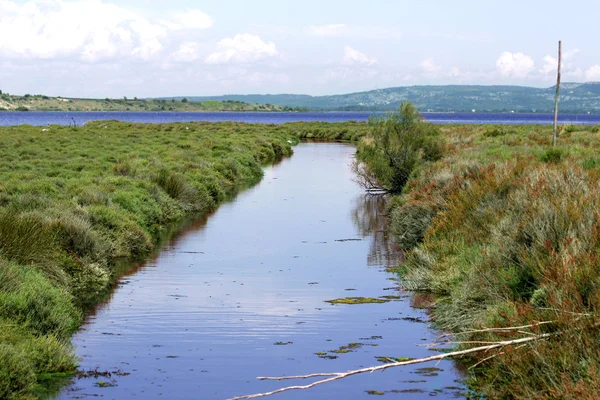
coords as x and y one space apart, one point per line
244 293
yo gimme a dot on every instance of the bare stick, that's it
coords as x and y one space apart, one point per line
557 93
509 329
333 376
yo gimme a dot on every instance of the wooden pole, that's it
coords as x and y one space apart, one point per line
554 131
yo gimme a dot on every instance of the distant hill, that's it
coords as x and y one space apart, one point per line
575 98
45 103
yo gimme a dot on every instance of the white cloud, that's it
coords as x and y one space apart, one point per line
187 51
516 65
242 48
89 30
429 66
593 73
352 56
354 31
551 64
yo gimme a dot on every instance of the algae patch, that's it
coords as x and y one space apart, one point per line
357 300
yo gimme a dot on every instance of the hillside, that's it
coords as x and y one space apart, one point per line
45 103
575 98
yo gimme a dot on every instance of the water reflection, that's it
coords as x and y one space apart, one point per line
369 215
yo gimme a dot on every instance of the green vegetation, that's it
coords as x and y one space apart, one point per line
503 229
73 201
45 103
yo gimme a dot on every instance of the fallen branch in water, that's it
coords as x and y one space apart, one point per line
333 376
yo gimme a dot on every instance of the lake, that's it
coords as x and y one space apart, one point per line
243 293
80 118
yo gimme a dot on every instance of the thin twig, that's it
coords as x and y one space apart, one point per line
509 329
566 312
485 359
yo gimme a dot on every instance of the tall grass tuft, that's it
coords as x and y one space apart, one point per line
27 239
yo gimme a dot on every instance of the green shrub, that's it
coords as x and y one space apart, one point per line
174 184
494 132
77 236
124 168
593 129
28 298
571 128
590 163
409 223
17 376
89 283
553 155
47 354
396 146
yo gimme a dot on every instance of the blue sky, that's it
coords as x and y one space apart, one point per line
104 48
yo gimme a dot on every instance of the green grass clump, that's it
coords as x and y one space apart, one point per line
553 155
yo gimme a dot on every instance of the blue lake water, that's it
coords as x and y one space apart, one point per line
80 118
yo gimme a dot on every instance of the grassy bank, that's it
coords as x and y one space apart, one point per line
504 230
45 103
75 200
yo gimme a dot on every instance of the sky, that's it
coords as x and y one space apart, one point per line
143 48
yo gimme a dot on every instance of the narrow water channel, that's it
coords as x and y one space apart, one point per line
244 293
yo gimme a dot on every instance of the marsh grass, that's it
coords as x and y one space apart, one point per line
73 201
504 230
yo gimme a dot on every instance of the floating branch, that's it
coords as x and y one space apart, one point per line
333 376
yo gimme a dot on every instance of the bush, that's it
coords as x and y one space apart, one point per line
188 196
571 128
409 223
76 235
494 132
593 129
396 146
553 155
